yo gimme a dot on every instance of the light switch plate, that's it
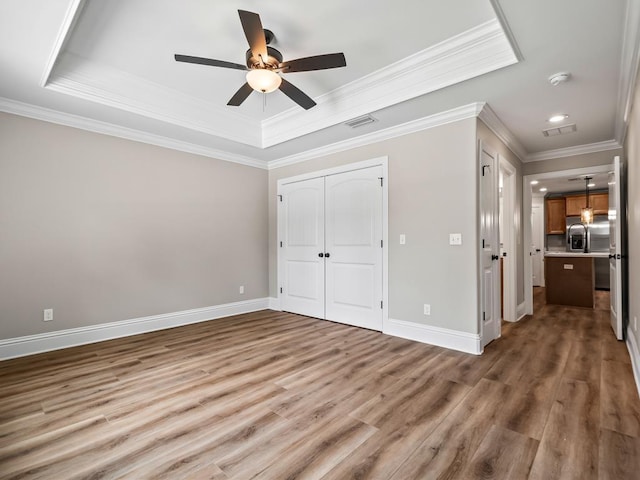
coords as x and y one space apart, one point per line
455 239
403 239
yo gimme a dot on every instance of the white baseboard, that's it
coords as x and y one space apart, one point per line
274 304
521 311
45 342
634 353
442 337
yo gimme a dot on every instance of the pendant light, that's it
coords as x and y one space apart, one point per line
586 214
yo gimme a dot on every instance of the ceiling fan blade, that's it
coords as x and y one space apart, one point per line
209 61
297 95
318 62
241 95
254 32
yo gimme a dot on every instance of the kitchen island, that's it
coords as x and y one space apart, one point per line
570 278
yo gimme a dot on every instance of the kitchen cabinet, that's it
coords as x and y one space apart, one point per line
569 281
574 204
555 215
598 201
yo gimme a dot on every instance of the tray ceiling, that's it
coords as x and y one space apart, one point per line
108 66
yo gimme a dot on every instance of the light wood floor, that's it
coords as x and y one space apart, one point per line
278 396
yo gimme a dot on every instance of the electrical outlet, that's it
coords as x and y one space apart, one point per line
241 289
427 309
403 239
48 315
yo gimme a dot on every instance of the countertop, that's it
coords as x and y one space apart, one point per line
576 254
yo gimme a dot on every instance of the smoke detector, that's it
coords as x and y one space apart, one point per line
558 78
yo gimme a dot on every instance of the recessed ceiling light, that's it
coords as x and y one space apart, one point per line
534 182
558 118
543 189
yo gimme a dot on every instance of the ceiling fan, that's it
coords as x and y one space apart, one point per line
264 63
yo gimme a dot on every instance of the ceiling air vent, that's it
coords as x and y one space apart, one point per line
360 121
552 132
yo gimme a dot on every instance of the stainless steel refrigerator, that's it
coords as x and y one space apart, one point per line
597 240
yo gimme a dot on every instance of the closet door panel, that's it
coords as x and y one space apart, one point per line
302 235
353 207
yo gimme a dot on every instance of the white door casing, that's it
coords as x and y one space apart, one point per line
353 236
489 247
509 236
615 248
302 240
537 245
355 285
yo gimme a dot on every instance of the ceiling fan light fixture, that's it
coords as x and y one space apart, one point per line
263 80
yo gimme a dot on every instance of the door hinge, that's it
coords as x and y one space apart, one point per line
381 303
483 243
381 180
280 289
381 244
280 197
484 317
280 244
483 167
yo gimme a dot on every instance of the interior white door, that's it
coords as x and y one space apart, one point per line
353 246
302 237
537 242
489 248
615 248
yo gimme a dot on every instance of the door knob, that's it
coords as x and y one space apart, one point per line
494 257
327 255
321 254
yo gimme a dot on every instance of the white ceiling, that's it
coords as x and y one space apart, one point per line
108 66
571 183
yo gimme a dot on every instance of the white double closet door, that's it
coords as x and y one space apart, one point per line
331 247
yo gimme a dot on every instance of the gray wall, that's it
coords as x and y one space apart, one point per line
103 229
486 135
432 192
632 153
569 163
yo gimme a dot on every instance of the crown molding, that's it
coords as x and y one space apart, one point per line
115 88
502 18
493 122
96 126
477 51
460 113
629 64
68 23
571 151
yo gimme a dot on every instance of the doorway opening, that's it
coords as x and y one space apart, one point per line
535 214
